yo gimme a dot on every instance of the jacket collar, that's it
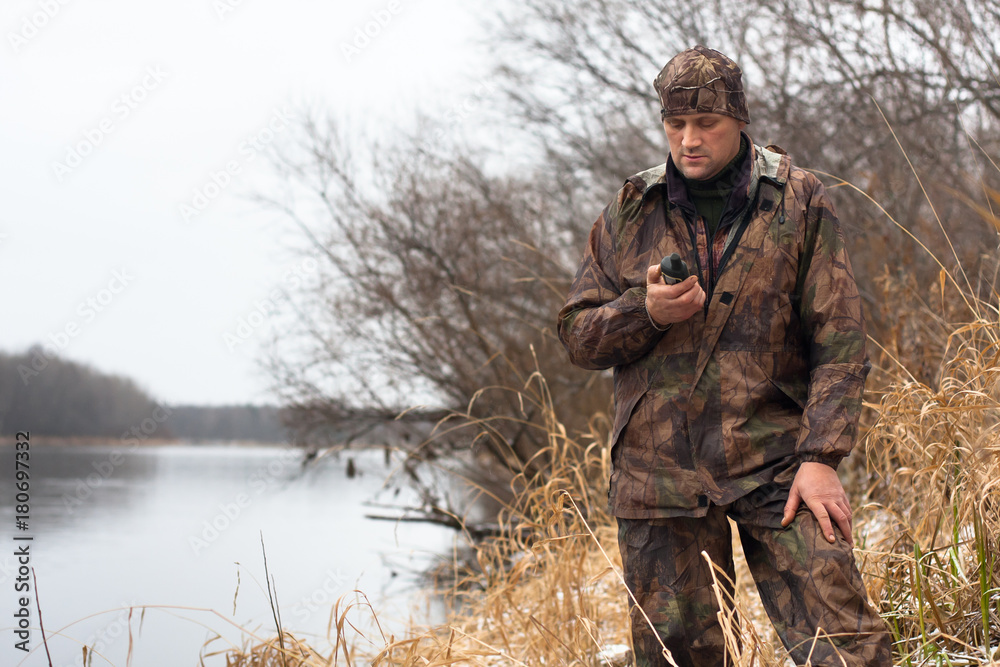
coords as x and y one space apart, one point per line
770 164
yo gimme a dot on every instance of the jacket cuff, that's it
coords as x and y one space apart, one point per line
832 460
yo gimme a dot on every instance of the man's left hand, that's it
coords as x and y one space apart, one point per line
817 485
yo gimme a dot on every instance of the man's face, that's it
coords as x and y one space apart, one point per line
702 143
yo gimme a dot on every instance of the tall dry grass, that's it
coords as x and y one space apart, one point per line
930 533
546 590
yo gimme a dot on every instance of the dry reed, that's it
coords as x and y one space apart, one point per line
546 590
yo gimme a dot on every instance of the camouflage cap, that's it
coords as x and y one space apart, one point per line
701 80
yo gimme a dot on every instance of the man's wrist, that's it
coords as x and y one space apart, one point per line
657 326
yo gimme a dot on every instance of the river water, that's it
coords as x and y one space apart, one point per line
177 529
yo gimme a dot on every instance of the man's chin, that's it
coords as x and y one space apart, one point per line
696 173
701 171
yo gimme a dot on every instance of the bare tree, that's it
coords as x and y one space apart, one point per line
846 86
440 287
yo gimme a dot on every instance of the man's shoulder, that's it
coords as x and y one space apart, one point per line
775 163
635 187
801 186
772 163
642 180
631 202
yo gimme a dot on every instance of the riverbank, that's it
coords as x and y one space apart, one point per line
925 485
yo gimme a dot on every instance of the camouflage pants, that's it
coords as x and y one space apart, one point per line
805 583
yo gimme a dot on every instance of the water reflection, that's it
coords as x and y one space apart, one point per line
180 525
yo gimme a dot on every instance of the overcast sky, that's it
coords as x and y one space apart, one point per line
132 133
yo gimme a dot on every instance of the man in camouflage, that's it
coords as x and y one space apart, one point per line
737 391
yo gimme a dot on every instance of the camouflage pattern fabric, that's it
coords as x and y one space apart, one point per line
770 374
701 80
809 587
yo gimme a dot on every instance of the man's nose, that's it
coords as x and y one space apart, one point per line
691 138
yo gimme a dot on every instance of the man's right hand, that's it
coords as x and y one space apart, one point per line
667 304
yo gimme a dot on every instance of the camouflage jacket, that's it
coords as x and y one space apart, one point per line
769 374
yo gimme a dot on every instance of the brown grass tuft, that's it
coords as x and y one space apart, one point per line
931 531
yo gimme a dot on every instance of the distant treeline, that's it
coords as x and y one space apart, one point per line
228 422
47 395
